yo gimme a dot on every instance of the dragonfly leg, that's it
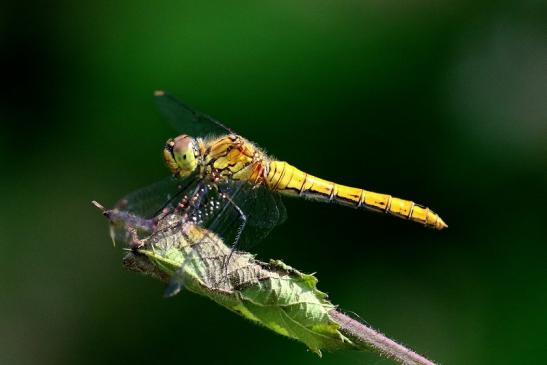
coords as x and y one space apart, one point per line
135 242
240 229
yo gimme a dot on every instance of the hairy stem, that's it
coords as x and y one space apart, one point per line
377 340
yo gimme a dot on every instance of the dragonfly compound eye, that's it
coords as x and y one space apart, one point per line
182 160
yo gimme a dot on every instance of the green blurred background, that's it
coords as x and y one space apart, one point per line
441 102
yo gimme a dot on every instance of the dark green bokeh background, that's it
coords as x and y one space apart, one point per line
440 102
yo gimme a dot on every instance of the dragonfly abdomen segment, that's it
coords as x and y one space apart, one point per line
288 180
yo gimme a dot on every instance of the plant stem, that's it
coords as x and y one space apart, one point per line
377 340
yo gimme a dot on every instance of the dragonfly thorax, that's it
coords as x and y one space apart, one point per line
181 155
231 157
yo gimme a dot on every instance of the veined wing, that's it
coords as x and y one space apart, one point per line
239 213
187 120
140 208
263 210
147 202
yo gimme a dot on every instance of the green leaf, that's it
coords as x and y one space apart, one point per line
272 294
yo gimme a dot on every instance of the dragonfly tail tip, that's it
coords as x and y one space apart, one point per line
441 224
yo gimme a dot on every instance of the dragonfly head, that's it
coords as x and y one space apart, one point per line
181 155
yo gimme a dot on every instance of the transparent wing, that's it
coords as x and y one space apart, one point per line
234 210
187 120
263 211
147 201
239 213
140 208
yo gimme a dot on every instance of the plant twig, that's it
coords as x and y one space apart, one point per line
377 340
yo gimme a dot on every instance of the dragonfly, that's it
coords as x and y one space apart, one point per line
230 186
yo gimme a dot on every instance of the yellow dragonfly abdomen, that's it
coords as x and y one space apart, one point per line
288 180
